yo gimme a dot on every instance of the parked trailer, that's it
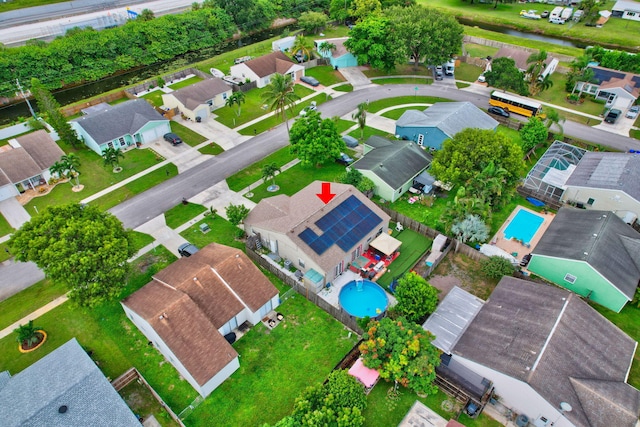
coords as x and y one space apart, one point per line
566 13
555 13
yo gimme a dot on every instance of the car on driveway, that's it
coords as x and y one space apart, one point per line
344 159
350 141
172 138
612 115
633 112
438 74
498 111
187 249
310 80
308 108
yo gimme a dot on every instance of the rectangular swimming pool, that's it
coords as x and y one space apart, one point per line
523 226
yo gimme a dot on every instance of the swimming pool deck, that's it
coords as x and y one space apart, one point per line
511 246
332 294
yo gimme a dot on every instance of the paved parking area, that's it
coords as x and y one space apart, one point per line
14 212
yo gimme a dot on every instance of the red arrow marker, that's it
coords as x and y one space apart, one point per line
326 195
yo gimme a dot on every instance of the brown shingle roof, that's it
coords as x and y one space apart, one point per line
520 56
184 328
41 147
18 165
201 92
276 62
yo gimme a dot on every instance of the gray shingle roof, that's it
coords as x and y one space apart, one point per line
395 163
598 237
201 92
67 376
615 171
559 345
121 119
41 147
449 117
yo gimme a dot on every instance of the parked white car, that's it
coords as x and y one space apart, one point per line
633 112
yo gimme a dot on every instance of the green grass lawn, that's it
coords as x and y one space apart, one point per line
276 366
180 214
414 245
347 87
119 101
400 70
4 255
252 108
5 228
212 149
144 404
296 178
154 97
253 173
13 5
186 82
189 137
381 104
479 51
136 187
468 72
325 74
369 131
397 112
95 177
28 300
221 231
343 125
460 85
140 240
403 81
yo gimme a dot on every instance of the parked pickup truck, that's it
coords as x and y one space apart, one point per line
612 116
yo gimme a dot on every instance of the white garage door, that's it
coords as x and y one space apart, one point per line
8 191
155 133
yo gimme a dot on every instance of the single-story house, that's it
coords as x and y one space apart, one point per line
199 99
549 356
592 253
189 310
25 162
626 9
283 44
441 121
121 126
521 56
393 166
64 388
606 182
617 88
261 69
339 57
318 238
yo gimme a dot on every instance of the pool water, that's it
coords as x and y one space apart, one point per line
362 298
523 226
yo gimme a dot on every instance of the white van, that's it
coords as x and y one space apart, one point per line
566 13
449 67
555 13
556 20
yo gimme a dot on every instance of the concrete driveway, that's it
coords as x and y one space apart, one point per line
219 197
181 155
14 212
215 131
164 235
355 76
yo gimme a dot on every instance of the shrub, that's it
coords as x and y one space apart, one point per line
496 266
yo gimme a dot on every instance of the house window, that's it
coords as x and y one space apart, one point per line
110 144
224 95
570 278
420 139
210 103
591 201
300 263
353 255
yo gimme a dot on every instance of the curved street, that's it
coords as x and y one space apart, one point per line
159 199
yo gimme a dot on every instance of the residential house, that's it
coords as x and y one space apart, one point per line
394 166
64 388
124 125
318 238
25 162
617 88
284 44
607 182
339 57
199 99
592 253
626 9
441 121
520 56
190 307
261 69
549 356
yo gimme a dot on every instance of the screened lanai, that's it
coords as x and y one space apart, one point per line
549 175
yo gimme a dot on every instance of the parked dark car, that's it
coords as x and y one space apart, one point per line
612 116
344 159
172 138
187 249
350 141
525 260
310 80
498 111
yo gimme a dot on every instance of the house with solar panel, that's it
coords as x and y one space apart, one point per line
617 88
318 238
441 121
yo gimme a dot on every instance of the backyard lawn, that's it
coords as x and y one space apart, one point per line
276 366
414 245
154 97
479 51
186 82
253 173
468 72
188 136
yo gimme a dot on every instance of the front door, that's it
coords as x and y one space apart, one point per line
611 99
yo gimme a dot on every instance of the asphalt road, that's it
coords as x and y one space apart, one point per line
157 200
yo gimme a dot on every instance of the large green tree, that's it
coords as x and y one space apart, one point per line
416 297
80 246
50 106
469 152
401 351
505 75
425 33
533 132
312 22
372 43
279 95
315 141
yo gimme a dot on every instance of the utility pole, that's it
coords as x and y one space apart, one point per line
26 99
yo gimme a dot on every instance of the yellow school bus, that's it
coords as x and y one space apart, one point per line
517 105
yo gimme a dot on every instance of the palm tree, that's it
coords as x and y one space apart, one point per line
361 117
237 98
111 156
28 335
269 172
302 45
537 65
553 117
279 95
72 163
58 169
326 48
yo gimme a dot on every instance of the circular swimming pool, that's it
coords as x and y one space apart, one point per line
362 298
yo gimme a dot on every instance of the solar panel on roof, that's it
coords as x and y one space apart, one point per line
345 225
